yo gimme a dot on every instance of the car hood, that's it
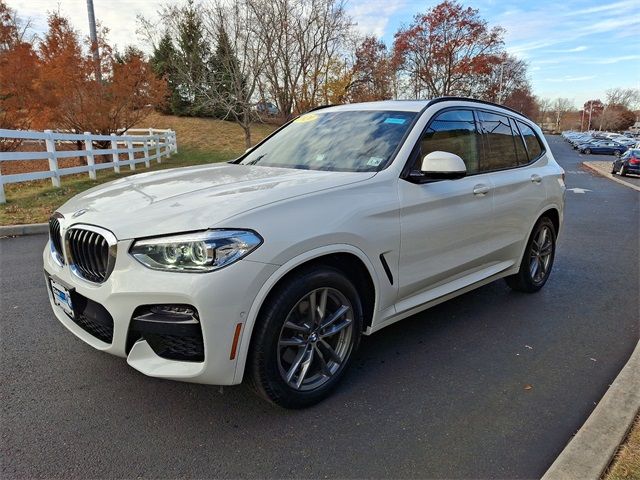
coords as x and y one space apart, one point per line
193 198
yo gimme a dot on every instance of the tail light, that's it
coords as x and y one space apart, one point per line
634 161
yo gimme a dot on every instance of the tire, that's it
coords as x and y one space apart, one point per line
623 171
613 169
527 279
280 355
617 153
587 151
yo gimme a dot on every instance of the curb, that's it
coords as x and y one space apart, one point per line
27 229
610 176
591 450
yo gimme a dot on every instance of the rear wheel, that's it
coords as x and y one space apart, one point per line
617 153
587 151
623 171
305 338
537 260
613 169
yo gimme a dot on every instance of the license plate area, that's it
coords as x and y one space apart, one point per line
61 297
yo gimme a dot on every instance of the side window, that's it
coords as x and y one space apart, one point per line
453 131
500 148
521 150
534 147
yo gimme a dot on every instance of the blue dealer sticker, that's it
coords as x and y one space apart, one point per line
395 121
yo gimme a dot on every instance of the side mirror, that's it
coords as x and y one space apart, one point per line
443 166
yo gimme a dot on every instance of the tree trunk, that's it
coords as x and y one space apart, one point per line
247 134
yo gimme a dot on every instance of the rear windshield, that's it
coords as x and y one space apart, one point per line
352 141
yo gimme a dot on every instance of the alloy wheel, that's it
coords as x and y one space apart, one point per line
315 339
541 253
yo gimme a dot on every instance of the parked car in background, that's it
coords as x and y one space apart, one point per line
603 147
629 162
267 108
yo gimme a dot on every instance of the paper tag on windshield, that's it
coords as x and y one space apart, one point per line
374 161
309 117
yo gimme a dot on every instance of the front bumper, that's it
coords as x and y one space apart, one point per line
222 298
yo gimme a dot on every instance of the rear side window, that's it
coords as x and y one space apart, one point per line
500 147
531 140
453 131
521 150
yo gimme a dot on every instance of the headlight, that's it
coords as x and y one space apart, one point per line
196 252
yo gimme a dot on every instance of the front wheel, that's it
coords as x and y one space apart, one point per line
537 260
306 335
587 151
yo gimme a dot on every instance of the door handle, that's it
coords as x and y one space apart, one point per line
480 189
535 178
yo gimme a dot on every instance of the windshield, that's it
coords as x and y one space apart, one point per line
360 141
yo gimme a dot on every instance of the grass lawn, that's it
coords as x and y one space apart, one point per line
626 465
34 202
200 141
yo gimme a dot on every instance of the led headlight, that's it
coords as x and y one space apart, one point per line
195 252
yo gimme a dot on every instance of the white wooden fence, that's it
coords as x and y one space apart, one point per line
153 143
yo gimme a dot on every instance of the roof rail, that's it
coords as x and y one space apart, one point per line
475 100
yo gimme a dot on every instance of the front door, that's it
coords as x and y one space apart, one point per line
447 225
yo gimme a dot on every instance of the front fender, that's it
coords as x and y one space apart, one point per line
252 316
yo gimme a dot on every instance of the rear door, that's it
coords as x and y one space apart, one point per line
515 155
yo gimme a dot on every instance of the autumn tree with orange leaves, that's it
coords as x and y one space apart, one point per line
53 84
446 50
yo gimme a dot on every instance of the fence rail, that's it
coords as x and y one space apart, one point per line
151 143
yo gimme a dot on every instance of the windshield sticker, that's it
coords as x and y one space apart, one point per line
310 117
395 121
374 161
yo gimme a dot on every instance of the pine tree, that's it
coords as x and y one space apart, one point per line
162 62
228 81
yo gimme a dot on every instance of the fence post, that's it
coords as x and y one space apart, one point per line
3 198
91 161
174 141
51 155
146 152
166 139
132 156
114 155
158 153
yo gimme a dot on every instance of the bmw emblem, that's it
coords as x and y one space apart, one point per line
80 212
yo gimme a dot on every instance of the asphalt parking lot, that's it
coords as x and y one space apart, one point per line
444 393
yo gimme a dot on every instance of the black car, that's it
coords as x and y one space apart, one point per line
627 163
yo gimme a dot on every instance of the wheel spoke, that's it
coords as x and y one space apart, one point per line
546 248
335 328
313 307
292 342
323 363
305 364
334 316
296 364
294 326
534 267
322 307
332 353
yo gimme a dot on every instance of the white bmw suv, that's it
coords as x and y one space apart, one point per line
271 267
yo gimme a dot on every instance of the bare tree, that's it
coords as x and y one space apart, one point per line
561 106
625 97
301 39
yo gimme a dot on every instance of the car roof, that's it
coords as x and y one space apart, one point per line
415 105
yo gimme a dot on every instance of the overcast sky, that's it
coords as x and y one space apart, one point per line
575 49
